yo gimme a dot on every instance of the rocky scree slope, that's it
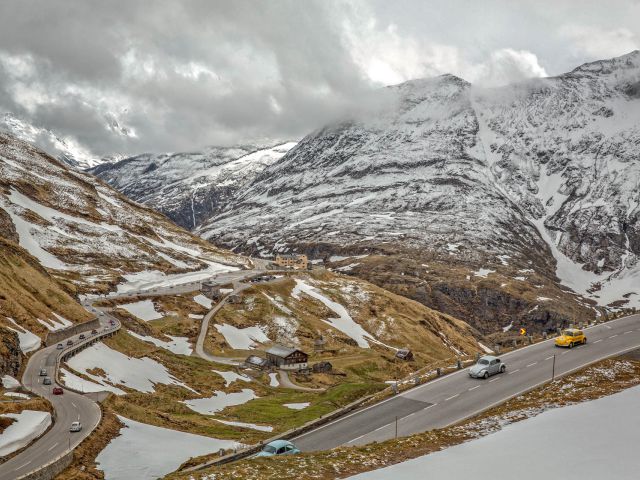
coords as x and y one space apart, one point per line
190 187
542 175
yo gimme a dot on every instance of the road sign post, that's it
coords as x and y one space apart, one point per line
396 427
553 369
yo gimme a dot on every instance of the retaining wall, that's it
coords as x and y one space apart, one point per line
60 335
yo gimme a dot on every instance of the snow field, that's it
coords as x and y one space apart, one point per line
219 401
146 452
28 425
177 345
242 338
144 310
138 373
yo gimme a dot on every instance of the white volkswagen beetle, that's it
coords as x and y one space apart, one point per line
487 366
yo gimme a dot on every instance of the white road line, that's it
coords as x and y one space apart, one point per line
531 364
630 331
613 336
564 353
473 388
74 405
494 380
430 406
357 438
21 466
514 371
380 428
598 341
450 398
52 447
549 358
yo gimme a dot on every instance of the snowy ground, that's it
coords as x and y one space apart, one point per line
75 382
54 325
28 425
242 338
230 377
138 373
219 401
601 443
150 279
202 300
296 406
251 426
9 382
343 322
144 310
28 341
145 452
177 345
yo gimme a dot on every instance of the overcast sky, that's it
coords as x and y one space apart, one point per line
179 75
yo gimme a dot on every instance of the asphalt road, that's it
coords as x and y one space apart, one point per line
455 397
68 407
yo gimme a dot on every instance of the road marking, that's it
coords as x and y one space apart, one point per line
52 447
21 466
531 364
473 388
564 353
380 428
549 358
450 398
514 371
357 438
630 331
613 336
597 341
74 405
430 406
494 380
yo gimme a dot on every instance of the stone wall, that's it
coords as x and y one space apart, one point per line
60 335
50 471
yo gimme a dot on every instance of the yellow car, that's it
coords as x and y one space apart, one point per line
571 337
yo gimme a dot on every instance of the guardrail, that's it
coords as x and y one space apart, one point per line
63 460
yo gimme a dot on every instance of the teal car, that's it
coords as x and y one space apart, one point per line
278 447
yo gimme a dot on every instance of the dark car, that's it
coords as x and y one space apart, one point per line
69 342
59 347
94 331
112 322
46 381
82 337
43 372
57 391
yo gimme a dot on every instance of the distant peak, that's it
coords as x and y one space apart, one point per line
606 66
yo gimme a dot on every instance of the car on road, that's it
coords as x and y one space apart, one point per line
112 322
278 447
46 381
94 331
58 391
82 337
75 427
487 366
59 347
571 337
69 342
43 372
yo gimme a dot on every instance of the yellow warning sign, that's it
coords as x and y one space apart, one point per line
523 331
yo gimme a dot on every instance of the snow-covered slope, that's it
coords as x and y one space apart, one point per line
85 232
65 149
190 187
544 172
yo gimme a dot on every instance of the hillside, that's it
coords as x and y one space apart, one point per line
190 187
538 177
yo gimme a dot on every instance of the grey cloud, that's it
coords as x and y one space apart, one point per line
275 69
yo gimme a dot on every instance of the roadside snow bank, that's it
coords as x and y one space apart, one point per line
595 438
28 425
146 452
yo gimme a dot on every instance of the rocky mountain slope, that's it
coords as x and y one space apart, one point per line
63 233
539 177
190 187
67 150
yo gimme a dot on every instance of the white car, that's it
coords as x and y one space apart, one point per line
75 427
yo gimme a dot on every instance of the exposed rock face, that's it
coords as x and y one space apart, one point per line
191 187
10 354
544 173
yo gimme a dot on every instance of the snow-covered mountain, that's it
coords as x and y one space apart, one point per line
83 231
545 173
190 187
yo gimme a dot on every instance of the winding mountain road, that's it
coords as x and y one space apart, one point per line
455 397
68 407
